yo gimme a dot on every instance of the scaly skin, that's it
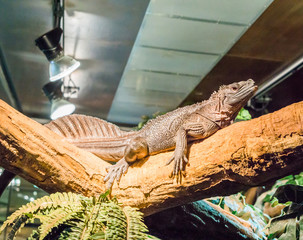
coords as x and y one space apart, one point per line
172 130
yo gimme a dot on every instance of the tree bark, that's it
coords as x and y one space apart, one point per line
242 155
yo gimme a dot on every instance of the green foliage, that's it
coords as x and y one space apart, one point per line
285 229
291 179
290 224
288 193
236 205
272 200
288 180
243 115
287 226
73 216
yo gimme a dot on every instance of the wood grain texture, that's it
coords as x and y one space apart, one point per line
241 155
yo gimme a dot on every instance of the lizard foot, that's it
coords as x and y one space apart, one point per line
115 172
179 166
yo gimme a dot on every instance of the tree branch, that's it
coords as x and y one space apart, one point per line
241 155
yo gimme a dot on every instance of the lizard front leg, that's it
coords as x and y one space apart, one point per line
136 149
179 156
195 130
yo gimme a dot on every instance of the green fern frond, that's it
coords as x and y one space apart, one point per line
76 232
17 226
72 232
54 219
94 215
65 234
104 197
136 229
15 216
46 202
116 221
62 199
75 217
151 237
34 236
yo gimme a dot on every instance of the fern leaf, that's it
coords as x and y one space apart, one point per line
65 234
69 232
34 236
116 221
45 203
99 235
136 229
97 216
17 226
13 218
77 232
80 227
98 222
151 237
91 226
75 217
57 217
104 196
61 199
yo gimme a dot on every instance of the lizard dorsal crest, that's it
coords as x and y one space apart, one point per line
80 127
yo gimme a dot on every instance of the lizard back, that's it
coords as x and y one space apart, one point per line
95 135
160 132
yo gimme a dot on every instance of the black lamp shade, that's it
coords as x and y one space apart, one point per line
60 106
49 43
53 89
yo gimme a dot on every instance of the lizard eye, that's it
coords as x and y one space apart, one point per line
235 87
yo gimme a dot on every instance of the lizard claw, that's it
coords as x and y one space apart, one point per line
179 166
115 172
170 160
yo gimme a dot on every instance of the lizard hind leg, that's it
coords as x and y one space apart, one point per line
135 150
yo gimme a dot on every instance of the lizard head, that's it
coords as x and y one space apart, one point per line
234 96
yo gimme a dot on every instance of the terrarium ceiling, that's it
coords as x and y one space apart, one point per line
139 57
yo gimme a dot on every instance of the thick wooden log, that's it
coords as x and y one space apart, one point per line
241 155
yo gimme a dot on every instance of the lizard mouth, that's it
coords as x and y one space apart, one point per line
247 90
